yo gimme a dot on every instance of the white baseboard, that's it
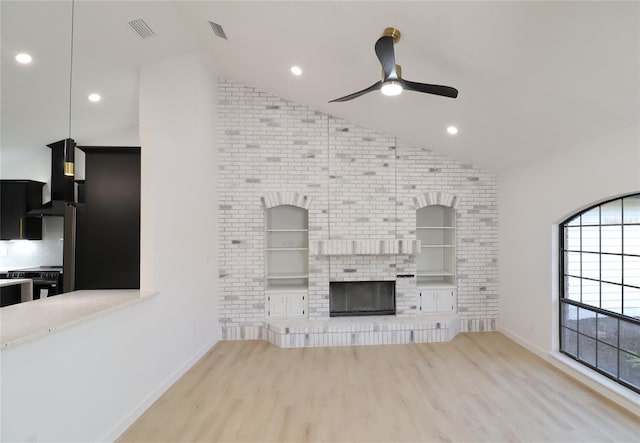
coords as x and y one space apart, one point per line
604 386
126 421
524 343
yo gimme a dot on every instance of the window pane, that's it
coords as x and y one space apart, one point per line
591 238
572 238
630 337
611 268
572 263
631 302
572 288
632 209
575 221
570 316
632 240
591 292
608 329
570 341
611 213
611 237
587 322
611 297
608 359
591 217
632 271
587 349
591 265
630 369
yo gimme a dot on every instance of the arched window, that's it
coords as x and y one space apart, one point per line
600 289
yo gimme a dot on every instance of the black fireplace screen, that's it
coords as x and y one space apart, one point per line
362 298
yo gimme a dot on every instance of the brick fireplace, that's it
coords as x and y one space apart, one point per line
361 189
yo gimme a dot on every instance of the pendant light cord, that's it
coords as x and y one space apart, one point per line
71 63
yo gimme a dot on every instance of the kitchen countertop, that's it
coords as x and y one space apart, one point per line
23 322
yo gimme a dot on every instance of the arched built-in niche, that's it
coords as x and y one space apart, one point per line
286 254
436 262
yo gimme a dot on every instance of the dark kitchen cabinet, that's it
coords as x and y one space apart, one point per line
17 197
108 220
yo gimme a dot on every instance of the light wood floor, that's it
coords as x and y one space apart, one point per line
478 387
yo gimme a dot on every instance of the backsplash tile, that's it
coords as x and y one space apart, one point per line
31 253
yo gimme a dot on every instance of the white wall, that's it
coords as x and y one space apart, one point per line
89 382
533 200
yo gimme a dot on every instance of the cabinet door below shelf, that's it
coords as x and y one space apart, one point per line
438 301
287 304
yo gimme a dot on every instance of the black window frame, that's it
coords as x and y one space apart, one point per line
620 318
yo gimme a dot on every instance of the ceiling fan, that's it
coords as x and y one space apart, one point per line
392 82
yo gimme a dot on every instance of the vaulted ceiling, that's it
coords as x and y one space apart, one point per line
534 77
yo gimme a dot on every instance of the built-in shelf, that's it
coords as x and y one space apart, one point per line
280 287
435 274
286 257
435 227
436 262
286 276
435 284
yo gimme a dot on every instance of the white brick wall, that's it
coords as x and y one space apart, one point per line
353 177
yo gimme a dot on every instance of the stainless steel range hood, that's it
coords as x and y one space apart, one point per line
61 185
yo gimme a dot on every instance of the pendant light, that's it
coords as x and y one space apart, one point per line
69 144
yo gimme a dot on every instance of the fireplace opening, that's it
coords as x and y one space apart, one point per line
362 298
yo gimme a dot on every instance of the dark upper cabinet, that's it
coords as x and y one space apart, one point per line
108 219
17 197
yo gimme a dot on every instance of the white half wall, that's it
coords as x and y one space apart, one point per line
91 381
533 200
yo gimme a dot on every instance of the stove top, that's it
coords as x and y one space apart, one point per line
39 273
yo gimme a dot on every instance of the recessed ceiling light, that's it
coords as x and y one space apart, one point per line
452 130
296 70
23 58
94 97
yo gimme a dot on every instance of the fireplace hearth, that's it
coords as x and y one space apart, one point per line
362 298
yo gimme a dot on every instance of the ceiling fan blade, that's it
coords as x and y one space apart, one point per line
386 55
373 87
445 91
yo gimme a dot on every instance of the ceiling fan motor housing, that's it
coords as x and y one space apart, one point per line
398 71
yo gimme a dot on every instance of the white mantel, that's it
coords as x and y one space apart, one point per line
364 247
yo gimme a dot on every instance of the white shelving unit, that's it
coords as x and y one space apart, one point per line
287 262
436 263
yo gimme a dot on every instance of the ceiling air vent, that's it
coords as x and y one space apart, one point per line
142 29
217 30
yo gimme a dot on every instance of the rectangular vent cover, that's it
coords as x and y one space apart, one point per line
142 29
217 30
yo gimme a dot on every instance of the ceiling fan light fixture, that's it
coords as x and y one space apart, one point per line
391 87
